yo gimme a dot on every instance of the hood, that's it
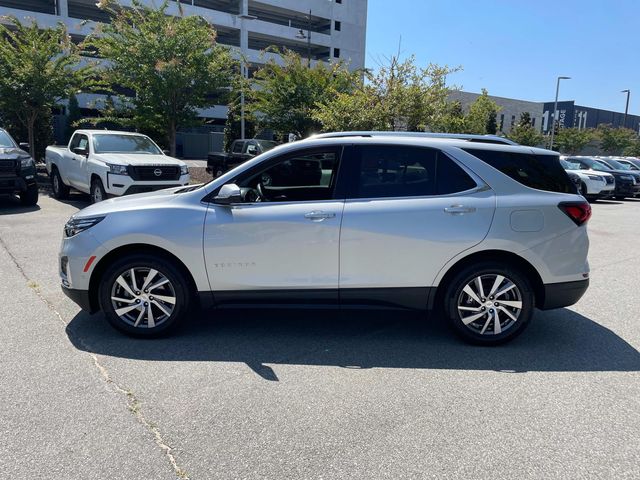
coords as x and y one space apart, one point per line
137 159
138 201
12 153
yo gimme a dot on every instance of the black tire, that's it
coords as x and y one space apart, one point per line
178 287
488 271
29 197
583 189
60 190
96 191
619 197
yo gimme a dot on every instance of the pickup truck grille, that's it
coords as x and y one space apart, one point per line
8 167
158 173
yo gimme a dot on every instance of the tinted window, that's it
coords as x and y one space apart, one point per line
237 147
79 141
395 171
392 171
451 178
542 172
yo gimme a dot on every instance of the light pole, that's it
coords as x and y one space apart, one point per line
302 36
626 108
555 108
244 40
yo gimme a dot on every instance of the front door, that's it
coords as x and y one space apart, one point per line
281 243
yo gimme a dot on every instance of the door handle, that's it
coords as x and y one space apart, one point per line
318 216
459 209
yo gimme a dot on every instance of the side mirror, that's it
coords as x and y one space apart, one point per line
24 146
228 194
80 151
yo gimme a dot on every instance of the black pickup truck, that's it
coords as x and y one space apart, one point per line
17 170
241 151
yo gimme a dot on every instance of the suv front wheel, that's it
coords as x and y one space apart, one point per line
144 295
489 303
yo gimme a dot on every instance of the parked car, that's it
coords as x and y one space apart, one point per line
486 232
627 183
631 163
591 184
107 163
17 170
240 152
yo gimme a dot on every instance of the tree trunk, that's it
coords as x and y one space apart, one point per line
32 136
172 138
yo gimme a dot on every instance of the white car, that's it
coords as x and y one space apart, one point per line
107 163
487 232
593 184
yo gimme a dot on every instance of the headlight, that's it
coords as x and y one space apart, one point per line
26 162
118 169
76 225
184 170
596 177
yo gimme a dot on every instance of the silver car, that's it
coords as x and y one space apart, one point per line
483 232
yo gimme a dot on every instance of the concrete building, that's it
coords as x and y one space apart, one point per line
324 30
569 114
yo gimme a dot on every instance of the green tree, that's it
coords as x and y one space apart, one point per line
399 95
453 120
492 123
614 141
572 140
287 94
38 68
632 150
172 63
480 111
73 115
524 133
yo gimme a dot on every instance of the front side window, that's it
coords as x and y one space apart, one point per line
386 171
110 143
304 177
542 172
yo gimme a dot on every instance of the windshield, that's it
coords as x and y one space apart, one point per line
5 140
618 165
110 143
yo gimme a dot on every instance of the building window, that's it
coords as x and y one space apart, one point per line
336 53
337 25
338 1
513 120
533 122
501 121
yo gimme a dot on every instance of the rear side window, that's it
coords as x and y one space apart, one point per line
385 171
542 172
237 147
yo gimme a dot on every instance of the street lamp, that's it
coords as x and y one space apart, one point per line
555 109
626 108
243 67
301 35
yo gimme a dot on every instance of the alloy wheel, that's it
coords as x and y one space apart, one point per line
490 304
143 297
97 194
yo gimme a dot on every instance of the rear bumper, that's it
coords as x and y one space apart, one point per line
558 295
79 297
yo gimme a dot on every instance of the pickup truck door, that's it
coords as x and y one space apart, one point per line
77 168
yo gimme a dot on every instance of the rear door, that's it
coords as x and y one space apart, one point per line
408 211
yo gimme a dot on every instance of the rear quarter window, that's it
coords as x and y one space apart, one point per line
542 172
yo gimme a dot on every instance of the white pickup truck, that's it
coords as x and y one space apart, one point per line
107 163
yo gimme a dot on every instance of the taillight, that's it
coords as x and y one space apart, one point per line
579 212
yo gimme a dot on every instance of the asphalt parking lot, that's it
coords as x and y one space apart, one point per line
315 394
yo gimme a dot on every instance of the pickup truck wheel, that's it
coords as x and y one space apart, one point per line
144 295
60 190
97 191
30 196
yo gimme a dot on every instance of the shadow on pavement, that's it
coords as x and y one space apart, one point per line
10 205
556 341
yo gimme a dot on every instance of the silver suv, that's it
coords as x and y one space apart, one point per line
486 232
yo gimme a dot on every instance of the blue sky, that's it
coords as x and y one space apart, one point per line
517 48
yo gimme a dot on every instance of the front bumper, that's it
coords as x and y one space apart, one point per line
558 295
80 297
10 185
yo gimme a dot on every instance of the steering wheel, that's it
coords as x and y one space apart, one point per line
261 194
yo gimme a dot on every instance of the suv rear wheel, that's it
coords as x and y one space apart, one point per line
489 303
144 295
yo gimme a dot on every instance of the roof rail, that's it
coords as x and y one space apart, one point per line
453 136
